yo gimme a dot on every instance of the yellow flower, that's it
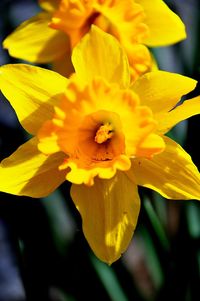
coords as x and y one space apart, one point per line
51 35
101 134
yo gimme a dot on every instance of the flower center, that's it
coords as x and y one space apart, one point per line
100 137
99 127
104 133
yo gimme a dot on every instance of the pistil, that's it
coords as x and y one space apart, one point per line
104 133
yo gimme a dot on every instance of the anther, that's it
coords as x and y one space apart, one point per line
104 133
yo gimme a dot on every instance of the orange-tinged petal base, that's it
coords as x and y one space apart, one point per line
71 17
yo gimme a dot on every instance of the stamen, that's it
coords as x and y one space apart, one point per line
104 133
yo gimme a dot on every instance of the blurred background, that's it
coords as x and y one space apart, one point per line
43 253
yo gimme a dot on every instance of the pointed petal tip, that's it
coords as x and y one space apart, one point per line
30 173
109 211
90 58
171 173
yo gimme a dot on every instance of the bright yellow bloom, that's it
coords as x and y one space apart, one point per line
51 35
101 134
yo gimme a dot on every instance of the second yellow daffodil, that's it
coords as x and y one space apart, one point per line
51 35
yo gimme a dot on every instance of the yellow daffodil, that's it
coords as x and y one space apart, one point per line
51 35
101 134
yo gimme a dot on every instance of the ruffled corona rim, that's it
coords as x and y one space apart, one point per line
95 135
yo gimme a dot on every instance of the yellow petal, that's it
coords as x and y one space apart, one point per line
109 212
31 91
151 145
161 90
164 25
29 172
171 173
189 108
100 54
49 5
36 42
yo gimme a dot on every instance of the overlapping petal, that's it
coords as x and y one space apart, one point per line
161 90
35 41
90 58
31 91
29 172
171 173
109 212
165 27
187 109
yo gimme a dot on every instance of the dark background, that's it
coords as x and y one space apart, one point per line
43 253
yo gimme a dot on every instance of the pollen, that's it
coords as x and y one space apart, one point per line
104 133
